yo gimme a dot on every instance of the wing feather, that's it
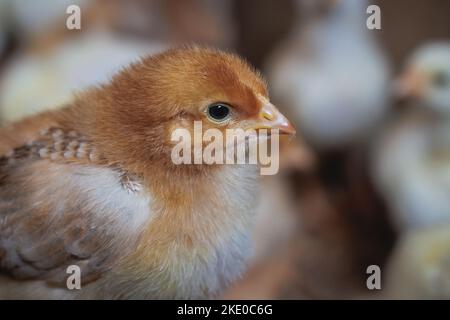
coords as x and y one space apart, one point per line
53 212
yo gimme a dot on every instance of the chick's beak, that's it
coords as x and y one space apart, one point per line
271 118
411 84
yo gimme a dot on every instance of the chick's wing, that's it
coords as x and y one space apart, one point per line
60 205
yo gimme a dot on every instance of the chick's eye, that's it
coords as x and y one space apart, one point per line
218 112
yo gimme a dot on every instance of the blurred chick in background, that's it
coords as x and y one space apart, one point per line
412 156
426 78
330 75
93 185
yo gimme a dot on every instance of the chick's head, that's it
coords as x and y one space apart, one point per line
143 105
427 77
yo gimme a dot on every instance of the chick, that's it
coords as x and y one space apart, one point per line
93 185
426 78
331 76
411 158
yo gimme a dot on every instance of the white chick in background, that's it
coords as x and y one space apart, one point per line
427 78
420 266
412 157
332 77
34 81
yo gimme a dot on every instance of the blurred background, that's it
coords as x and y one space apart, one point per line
366 181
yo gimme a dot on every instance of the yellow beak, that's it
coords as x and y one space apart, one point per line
410 84
271 118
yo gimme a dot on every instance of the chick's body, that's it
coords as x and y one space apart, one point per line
93 185
411 157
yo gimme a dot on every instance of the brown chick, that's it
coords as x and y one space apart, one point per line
93 185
